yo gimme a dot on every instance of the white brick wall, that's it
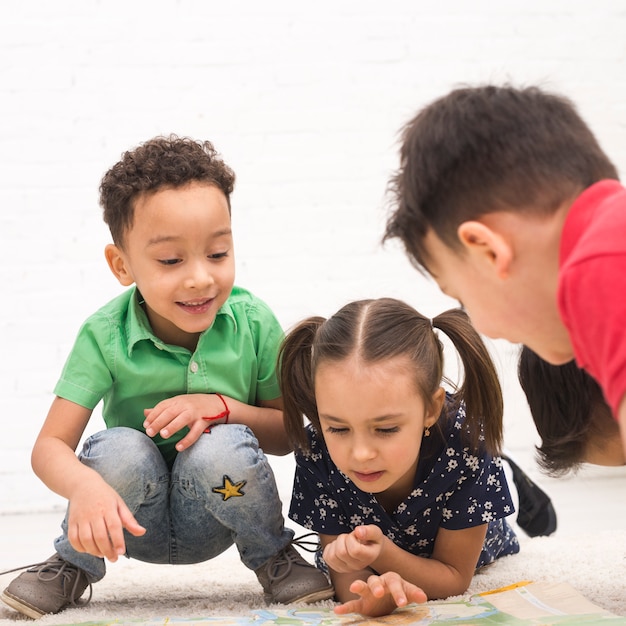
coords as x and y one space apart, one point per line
304 103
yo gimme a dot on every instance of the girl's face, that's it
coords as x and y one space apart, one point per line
373 418
179 252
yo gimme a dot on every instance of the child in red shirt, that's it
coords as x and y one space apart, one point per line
506 199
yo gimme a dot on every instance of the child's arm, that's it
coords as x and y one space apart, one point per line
172 414
363 591
268 426
447 572
97 514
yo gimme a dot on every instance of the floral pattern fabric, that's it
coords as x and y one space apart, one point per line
453 489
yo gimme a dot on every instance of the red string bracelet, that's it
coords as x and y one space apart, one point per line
224 414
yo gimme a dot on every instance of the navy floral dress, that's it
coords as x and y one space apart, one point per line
453 489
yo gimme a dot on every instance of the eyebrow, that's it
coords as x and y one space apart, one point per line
376 420
169 238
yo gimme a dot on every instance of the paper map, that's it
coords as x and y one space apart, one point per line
522 604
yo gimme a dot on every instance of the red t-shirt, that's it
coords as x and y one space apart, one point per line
591 292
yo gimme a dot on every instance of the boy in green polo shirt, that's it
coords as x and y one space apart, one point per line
185 363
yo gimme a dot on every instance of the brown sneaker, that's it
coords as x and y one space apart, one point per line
288 578
47 587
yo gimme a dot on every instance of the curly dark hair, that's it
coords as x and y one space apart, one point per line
162 162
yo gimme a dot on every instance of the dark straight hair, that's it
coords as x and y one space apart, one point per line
378 330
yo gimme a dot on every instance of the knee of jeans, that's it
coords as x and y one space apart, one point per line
121 454
226 446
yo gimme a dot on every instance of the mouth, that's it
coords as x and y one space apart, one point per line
196 307
368 477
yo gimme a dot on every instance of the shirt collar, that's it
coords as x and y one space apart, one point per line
138 326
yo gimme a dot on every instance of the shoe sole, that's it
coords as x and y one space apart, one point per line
309 598
21 606
318 596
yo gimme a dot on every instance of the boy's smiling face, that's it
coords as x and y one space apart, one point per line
179 252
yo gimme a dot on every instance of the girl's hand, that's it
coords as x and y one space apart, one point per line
355 551
380 595
187 410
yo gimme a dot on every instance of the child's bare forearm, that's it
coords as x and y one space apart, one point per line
97 514
266 422
436 578
351 557
58 467
343 581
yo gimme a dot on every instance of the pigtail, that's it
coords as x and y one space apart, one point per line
296 380
480 391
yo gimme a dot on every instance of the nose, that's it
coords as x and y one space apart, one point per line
198 275
363 449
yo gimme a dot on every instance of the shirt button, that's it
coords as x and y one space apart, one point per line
193 367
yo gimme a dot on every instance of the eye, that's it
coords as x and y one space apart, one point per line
336 431
218 255
388 431
169 261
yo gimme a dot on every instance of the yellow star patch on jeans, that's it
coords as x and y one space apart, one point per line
230 489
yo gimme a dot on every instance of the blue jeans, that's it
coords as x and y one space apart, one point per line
221 491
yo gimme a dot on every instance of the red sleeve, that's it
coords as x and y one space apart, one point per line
592 302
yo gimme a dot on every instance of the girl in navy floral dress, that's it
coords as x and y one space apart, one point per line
402 480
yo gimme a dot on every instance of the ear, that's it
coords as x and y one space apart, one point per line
118 264
486 245
436 406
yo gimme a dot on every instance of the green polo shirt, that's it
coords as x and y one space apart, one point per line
117 358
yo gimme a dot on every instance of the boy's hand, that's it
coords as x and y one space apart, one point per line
96 520
187 410
355 551
380 595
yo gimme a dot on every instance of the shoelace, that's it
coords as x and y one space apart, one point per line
287 557
310 545
58 567
66 571
17 569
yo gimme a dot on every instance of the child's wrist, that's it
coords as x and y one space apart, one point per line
224 415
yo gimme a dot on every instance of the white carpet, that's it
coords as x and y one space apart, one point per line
588 551
595 565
